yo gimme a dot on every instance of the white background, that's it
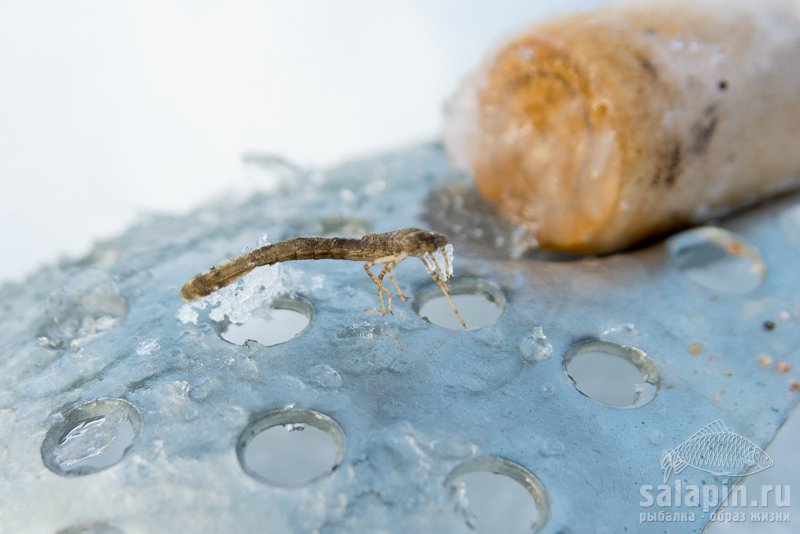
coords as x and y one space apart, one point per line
108 109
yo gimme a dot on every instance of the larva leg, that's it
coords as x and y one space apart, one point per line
446 290
396 287
387 269
394 260
381 289
443 286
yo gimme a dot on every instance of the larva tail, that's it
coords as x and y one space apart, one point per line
216 277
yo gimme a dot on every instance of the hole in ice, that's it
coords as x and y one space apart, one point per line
497 495
291 448
92 437
91 528
615 375
480 303
718 260
287 318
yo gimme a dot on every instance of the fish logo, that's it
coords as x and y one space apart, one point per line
716 450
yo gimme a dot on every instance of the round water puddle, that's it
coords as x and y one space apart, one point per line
479 302
92 437
497 495
614 375
288 317
291 448
718 260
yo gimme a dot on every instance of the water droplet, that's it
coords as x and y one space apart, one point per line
656 437
201 390
552 447
367 348
535 347
365 330
489 336
547 391
324 377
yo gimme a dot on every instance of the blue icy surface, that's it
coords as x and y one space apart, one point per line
413 399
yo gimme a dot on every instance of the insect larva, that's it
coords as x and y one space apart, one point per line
388 249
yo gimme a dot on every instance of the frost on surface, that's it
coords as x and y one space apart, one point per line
252 292
186 314
440 263
255 291
86 306
147 347
448 259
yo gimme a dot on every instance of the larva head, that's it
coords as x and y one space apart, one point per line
416 241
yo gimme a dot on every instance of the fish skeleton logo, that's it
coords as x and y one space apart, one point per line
718 451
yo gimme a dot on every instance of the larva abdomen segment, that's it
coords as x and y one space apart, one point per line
300 248
216 277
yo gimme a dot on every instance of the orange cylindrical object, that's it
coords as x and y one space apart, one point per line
602 129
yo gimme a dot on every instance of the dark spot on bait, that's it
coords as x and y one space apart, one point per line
703 129
648 66
668 169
